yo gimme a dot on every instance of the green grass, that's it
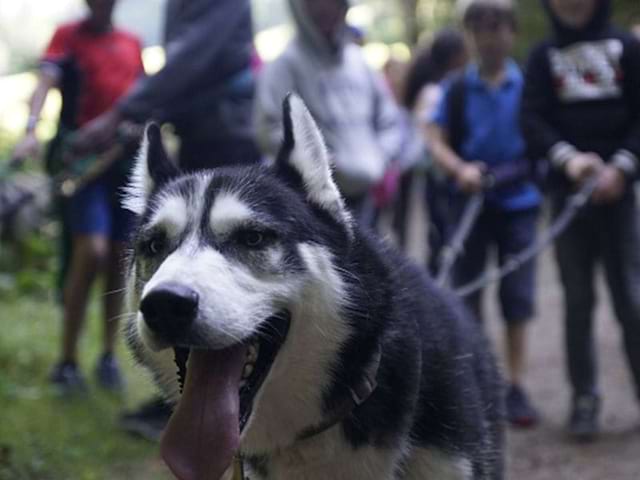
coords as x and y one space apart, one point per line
46 437
42 435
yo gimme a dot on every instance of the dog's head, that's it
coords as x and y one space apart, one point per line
221 266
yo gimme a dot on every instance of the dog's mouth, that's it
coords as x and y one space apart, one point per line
218 389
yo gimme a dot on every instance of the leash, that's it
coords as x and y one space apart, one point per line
452 250
572 206
492 179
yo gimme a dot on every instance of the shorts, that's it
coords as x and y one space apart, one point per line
96 210
507 233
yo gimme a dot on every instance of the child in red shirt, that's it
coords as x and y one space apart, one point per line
93 64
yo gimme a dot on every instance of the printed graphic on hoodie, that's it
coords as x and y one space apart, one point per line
587 71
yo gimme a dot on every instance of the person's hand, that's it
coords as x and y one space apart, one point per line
29 146
583 165
97 134
610 185
470 177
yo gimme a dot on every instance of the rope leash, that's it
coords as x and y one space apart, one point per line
452 250
492 179
573 205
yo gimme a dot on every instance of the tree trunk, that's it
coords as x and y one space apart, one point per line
412 25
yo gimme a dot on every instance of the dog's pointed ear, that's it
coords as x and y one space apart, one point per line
152 168
304 156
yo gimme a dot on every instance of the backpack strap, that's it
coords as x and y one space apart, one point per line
456 100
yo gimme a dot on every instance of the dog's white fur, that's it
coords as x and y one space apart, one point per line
311 159
140 183
290 400
237 300
227 212
172 216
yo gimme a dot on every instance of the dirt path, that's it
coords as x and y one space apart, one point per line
545 453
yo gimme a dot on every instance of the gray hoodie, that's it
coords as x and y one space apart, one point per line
350 102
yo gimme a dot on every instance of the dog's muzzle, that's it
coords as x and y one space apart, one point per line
218 384
169 310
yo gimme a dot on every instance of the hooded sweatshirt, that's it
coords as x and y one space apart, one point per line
348 100
582 93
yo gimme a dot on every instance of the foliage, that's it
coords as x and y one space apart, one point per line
28 264
27 267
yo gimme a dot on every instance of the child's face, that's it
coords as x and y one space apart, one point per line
327 15
492 41
573 13
101 12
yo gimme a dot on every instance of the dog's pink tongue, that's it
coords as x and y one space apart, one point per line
203 432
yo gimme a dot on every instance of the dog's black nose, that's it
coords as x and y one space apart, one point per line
170 309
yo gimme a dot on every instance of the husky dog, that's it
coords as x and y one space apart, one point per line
291 339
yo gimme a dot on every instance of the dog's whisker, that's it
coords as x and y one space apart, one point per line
268 331
113 292
263 333
123 315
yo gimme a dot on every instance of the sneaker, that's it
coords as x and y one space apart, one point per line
520 412
108 373
66 378
583 422
148 421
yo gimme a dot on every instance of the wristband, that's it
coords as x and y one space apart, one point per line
560 154
625 161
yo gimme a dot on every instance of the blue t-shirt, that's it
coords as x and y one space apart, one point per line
492 133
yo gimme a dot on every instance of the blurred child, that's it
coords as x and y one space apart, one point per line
94 64
446 53
350 102
205 90
474 134
581 110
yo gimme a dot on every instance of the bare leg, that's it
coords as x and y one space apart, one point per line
88 253
516 349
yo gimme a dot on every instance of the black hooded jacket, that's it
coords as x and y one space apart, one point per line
582 92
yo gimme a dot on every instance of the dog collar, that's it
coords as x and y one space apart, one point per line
358 394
